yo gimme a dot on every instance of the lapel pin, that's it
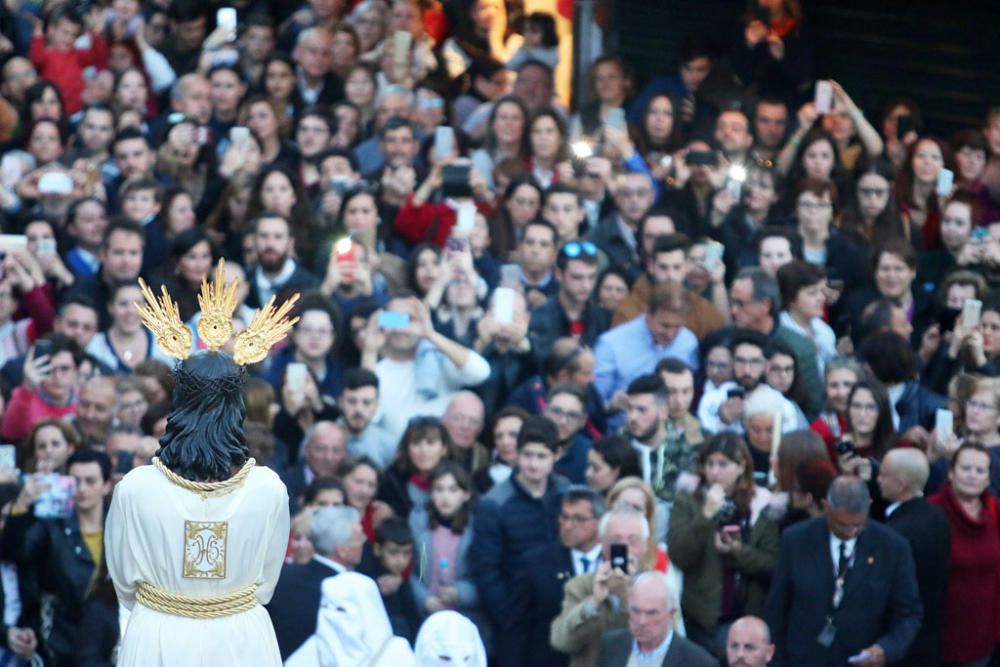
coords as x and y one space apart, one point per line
871 560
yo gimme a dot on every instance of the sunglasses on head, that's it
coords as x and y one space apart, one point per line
577 248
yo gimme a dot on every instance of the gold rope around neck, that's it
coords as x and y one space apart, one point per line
207 489
191 606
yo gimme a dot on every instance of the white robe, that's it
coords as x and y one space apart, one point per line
157 532
448 639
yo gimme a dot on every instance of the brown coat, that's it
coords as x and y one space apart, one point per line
703 320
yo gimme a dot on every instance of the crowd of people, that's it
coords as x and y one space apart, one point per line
662 380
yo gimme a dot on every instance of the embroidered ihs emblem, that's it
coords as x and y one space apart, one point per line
205 549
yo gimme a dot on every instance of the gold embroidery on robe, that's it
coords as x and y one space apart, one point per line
205 549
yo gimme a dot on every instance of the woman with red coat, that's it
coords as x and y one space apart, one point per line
970 611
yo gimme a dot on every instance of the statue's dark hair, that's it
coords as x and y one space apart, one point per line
204 440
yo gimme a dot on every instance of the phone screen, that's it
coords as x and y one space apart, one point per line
619 557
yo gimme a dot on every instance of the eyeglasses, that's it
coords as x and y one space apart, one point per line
717 365
577 248
575 518
742 361
864 407
982 407
814 206
557 413
626 193
782 370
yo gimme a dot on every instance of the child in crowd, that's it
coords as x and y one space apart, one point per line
58 59
541 42
393 551
442 535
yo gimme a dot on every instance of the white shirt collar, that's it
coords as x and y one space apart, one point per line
892 508
850 546
592 557
332 564
655 656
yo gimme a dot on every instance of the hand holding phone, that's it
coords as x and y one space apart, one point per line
971 310
619 557
615 118
295 375
393 320
824 97
503 305
945 182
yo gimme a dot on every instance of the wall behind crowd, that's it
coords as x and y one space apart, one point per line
943 55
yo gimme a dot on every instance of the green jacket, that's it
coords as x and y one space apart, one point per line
691 547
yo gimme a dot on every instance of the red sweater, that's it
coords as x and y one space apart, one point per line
970 609
27 408
65 68
431 221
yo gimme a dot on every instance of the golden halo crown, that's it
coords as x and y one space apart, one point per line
218 302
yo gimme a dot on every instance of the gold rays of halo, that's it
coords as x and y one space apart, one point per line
218 302
163 318
269 325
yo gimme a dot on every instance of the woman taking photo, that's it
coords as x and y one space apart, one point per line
916 185
612 83
970 609
658 136
723 540
268 121
870 432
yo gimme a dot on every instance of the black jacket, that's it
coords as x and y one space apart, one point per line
52 559
917 406
295 603
301 279
538 595
928 531
616 648
881 602
549 323
608 237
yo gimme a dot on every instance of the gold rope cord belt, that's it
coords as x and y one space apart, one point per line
207 489
190 606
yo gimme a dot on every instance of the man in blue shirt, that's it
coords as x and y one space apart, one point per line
634 348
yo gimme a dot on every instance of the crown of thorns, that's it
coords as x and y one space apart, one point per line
215 385
217 301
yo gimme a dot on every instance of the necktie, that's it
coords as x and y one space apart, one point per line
843 563
585 564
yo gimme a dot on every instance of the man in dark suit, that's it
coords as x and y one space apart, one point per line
337 536
650 636
538 589
901 477
748 643
276 268
325 449
843 587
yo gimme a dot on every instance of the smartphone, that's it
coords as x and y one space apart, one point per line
703 158
402 40
8 457
503 305
124 460
971 310
713 253
390 319
904 125
46 246
736 392
239 135
344 251
824 97
944 422
295 375
860 657
43 348
201 136
56 501
980 234
510 275
225 17
466 220
455 180
340 184
845 447
615 118
619 557
946 179
444 141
